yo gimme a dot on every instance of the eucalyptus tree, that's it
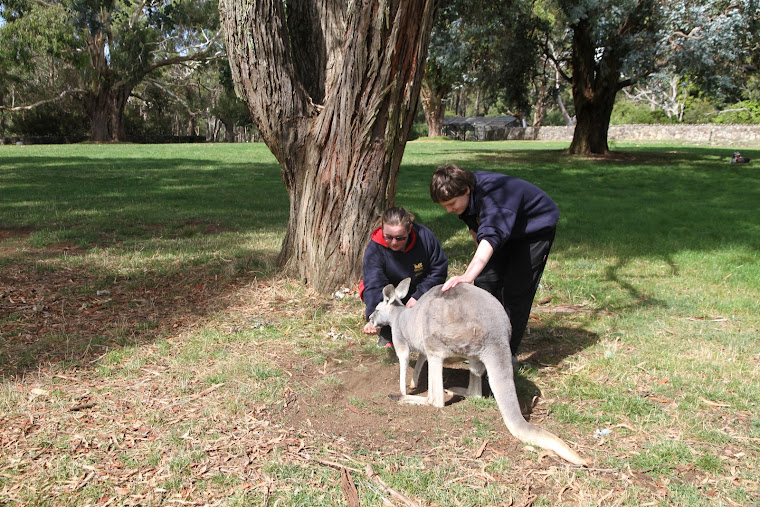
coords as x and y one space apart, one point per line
492 47
446 66
617 43
614 42
714 45
332 87
102 49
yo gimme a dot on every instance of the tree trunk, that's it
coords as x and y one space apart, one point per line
539 108
117 104
340 153
229 131
105 108
597 77
595 84
432 98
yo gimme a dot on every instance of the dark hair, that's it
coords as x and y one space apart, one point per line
450 181
398 216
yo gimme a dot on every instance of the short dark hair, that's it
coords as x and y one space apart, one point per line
450 181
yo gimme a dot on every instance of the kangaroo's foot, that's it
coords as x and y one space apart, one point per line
464 392
410 399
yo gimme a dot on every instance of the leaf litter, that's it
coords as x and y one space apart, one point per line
149 433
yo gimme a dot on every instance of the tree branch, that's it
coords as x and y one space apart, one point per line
552 57
176 97
199 55
61 96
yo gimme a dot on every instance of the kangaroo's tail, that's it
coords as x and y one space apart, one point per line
499 367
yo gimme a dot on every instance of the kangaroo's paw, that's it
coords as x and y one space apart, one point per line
463 391
413 400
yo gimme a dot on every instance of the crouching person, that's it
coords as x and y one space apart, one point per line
399 249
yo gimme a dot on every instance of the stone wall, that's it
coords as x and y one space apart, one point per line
739 135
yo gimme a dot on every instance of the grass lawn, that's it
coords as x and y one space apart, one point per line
151 353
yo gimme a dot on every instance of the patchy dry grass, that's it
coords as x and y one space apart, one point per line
167 363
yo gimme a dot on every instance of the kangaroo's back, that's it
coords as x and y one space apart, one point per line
459 322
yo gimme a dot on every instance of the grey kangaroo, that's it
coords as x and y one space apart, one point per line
465 322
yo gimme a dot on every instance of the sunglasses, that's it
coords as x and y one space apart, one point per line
388 239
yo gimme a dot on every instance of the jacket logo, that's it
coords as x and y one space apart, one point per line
418 269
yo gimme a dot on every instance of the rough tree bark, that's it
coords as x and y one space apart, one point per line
332 87
596 76
595 84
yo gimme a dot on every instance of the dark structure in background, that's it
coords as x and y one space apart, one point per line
478 128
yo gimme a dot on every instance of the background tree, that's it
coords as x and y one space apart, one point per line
710 44
613 44
102 49
489 49
446 65
227 107
332 88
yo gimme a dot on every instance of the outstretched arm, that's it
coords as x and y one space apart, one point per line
479 260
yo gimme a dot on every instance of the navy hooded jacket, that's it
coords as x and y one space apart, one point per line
504 207
422 260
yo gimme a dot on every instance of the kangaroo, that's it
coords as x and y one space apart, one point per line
464 322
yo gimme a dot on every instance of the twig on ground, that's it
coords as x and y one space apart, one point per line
82 406
349 488
194 396
392 492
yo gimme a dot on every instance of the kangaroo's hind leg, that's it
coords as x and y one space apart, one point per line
421 359
475 386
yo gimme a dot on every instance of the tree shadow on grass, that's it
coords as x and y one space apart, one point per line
547 347
100 253
641 202
74 314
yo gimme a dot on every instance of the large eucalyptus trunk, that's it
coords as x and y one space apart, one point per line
595 84
597 74
105 108
332 87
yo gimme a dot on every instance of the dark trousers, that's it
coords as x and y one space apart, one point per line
512 276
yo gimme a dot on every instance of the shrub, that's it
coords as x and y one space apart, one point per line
747 111
626 113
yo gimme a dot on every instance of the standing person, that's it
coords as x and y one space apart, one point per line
400 249
513 223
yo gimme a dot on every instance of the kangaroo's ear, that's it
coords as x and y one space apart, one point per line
403 288
388 292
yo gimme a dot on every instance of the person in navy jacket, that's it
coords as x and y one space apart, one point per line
513 223
400 249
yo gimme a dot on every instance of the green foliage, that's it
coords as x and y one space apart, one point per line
698 109
745 112
625 113
723 54
52 119
488 46
33 30
97 50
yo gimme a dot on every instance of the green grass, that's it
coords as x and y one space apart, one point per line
657 262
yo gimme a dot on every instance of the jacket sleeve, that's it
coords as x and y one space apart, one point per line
496 224
373 272
439 265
